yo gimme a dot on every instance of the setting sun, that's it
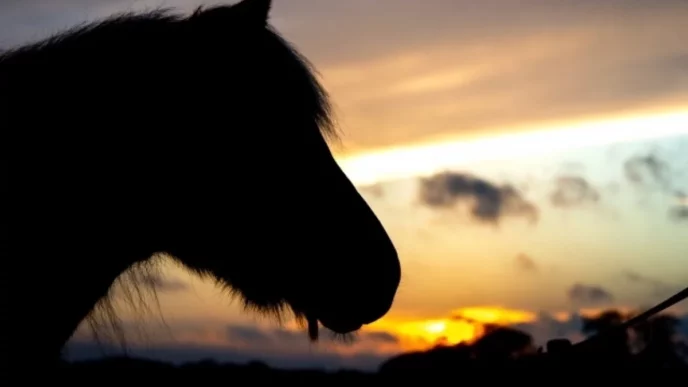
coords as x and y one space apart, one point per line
436 327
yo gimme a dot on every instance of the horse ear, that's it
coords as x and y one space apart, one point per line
255 9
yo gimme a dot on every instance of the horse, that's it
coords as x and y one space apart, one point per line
204 136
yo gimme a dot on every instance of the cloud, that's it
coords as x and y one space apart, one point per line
457 67
489 202
404 70
589 294
383 337
270 337
647 170
255 336
659 288
679 211
547 327
525 263
650 172
572 191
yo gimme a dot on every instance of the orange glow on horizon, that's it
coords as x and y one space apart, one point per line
464 325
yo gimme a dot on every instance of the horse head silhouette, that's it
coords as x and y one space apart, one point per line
202 136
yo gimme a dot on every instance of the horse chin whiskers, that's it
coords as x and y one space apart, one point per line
344 338
277 311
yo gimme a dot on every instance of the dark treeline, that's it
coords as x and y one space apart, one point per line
653 344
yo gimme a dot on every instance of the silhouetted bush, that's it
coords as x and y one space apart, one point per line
656 342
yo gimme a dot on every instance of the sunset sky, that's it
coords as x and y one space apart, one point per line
575 111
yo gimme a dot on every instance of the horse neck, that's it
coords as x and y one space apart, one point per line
68 292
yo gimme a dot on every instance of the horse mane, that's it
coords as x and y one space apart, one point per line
132 24
132 291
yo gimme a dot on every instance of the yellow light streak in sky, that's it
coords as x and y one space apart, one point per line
427 159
